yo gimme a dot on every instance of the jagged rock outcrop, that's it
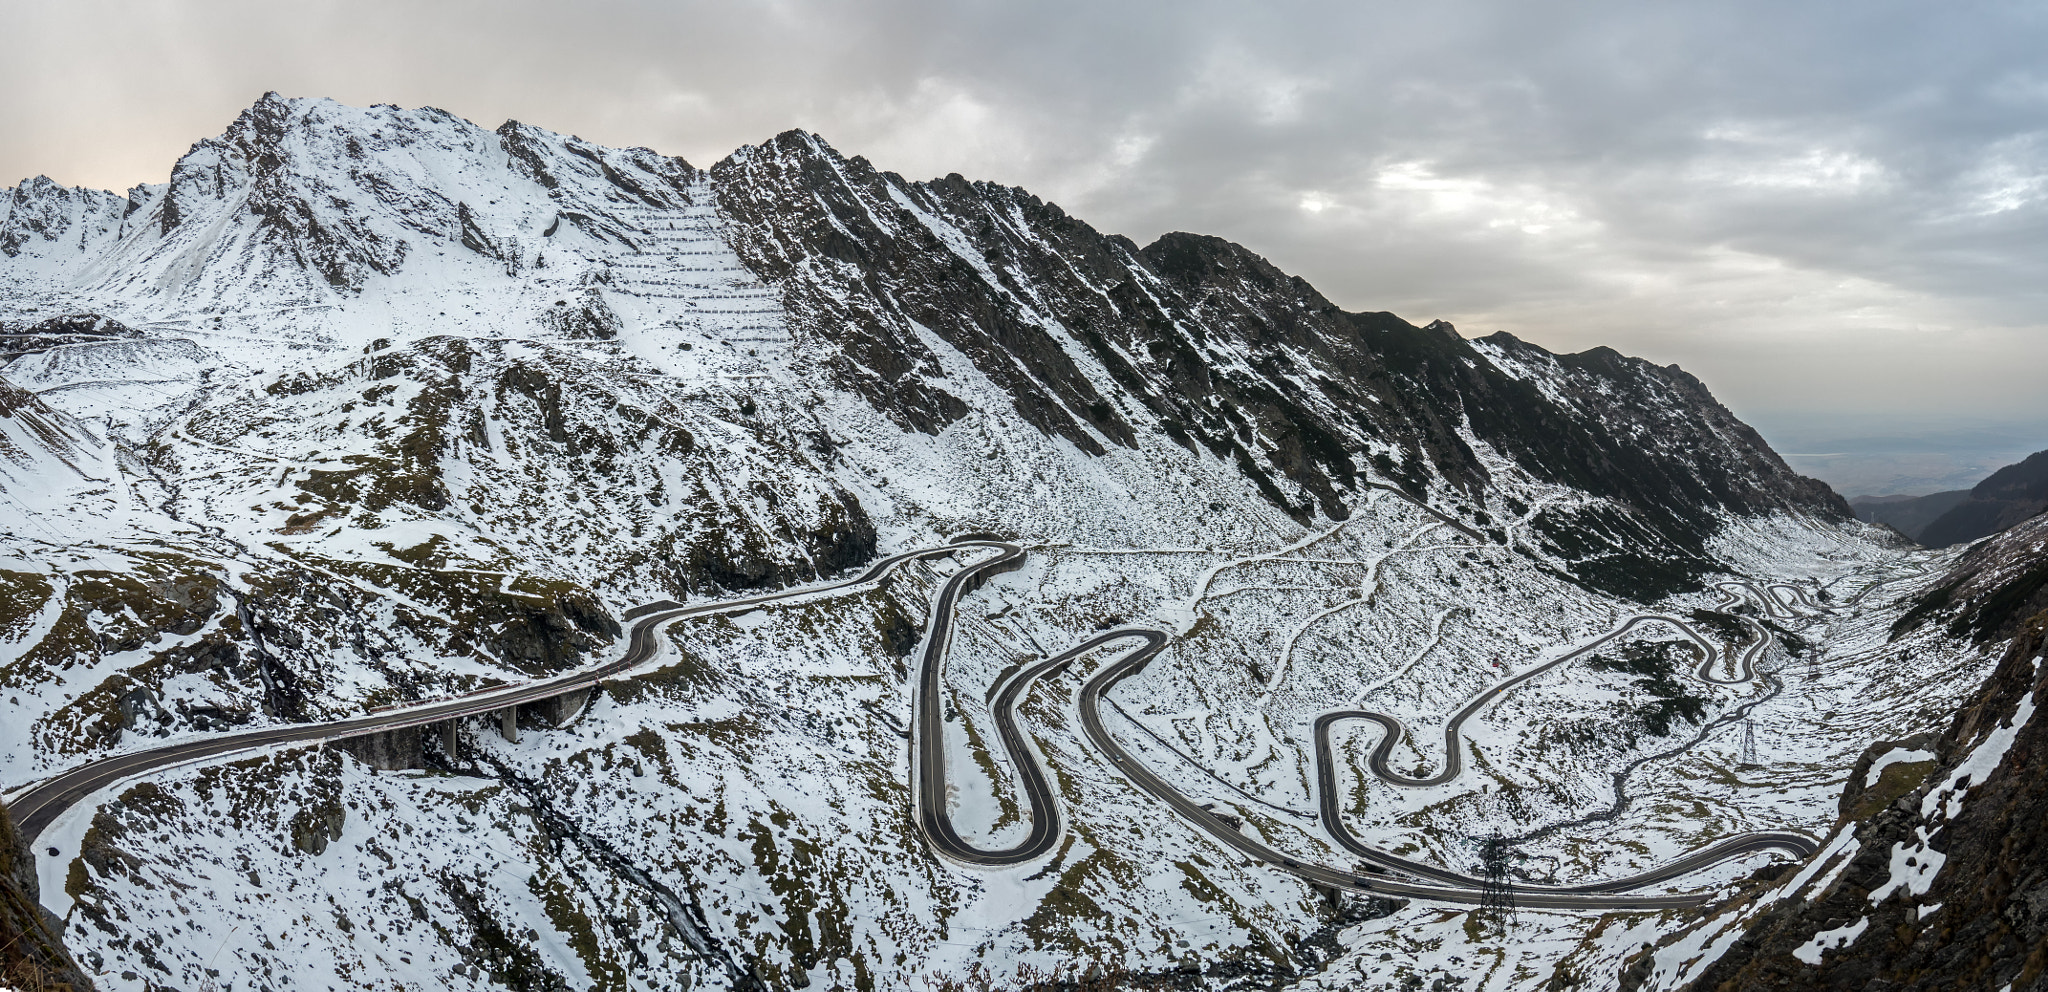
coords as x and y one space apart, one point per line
40 218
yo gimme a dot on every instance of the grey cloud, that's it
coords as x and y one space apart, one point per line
1829 207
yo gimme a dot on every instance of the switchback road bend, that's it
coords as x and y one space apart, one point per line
38 806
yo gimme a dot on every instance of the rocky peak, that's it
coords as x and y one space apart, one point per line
932 299
1684 450
40 216
1202 263
348 194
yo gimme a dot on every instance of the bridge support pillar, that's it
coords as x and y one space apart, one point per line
572 705
388 750
560 710
451 744
508 723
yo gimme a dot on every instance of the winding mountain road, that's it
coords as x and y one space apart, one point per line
35 808
1435 883
1774 605
1454 752
1796 844
1438 885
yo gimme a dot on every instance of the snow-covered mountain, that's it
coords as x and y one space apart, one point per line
367 406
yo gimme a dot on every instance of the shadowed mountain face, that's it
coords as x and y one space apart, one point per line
1909 515
2012 494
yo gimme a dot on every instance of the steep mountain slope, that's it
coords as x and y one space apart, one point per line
2008 496
1909 515
1945 884
32 954
376 406
1205 342
1991 590
46 455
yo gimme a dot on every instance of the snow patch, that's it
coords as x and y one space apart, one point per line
1827 940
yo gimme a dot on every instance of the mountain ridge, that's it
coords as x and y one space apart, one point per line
259 148
1910 515
2004 499
406 408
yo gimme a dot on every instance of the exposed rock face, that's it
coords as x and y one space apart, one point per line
1949 889
2010 495
1213 346
32 953
1992 589
586 317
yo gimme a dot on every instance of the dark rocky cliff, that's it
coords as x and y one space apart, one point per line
1211 345
32 954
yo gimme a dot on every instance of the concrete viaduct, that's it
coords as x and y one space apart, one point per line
405 747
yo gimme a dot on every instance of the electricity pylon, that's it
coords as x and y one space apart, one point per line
1497 895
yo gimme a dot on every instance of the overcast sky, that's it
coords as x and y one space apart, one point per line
1833 213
